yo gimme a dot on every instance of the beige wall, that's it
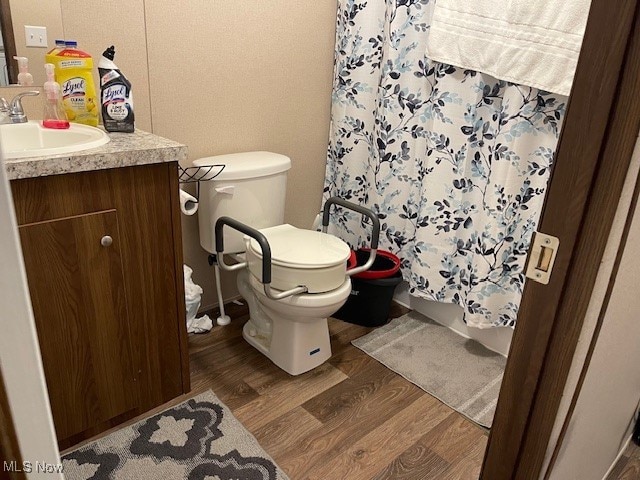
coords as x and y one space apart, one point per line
230 77
609 397
97 25
224 77
39 14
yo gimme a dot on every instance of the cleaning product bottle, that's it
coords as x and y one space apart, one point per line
74 73
60 44
54 115
25 79
116 96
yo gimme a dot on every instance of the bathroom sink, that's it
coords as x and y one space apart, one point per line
31 139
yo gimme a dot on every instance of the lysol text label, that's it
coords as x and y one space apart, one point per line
115 93
75 86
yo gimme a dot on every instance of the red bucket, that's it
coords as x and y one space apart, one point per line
385 265
352 261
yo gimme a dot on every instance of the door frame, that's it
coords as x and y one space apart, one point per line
592 161
8 39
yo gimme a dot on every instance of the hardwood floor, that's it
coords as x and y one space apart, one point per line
628 467
349 418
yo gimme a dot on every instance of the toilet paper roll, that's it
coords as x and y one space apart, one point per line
188 203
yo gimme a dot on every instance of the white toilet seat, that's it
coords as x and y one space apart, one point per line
301 257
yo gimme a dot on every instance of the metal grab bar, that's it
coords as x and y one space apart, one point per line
375 234
266 256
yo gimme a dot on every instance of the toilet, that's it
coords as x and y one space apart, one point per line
293 279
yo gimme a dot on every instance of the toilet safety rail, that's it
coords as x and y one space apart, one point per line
375 234
266 256
266 248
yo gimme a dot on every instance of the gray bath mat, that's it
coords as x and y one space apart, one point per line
458 371
197 440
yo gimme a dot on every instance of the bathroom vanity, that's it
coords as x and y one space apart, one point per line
101 239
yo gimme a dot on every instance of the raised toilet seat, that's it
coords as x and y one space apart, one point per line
293 279
316 260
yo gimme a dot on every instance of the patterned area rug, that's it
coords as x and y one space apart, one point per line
458 371
197 440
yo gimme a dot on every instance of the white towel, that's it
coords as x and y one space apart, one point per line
534 43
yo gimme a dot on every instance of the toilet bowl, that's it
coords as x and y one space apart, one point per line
292 279
293 330
296 337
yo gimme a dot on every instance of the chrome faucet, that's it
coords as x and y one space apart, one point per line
13 112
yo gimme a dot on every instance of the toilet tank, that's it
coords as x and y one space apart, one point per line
251 188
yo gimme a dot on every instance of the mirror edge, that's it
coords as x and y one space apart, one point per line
8 40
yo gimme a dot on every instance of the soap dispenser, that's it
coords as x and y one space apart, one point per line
54 115
25 79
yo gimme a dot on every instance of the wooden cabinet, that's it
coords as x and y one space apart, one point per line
79 303
103 257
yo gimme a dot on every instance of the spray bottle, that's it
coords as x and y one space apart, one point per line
54 115
25 79
116 97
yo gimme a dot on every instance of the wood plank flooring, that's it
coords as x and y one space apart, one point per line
628 467
349 418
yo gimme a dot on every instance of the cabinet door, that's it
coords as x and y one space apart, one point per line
74 271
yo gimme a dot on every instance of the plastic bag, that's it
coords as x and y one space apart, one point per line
192 296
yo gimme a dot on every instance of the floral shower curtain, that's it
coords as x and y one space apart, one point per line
455 162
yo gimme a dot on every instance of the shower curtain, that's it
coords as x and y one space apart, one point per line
455 162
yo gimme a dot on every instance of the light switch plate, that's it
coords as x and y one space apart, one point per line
35 36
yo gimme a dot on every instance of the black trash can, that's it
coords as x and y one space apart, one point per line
370 299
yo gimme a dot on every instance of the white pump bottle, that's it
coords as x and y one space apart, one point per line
54 115
25 79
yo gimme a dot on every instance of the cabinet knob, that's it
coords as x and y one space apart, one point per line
106 241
